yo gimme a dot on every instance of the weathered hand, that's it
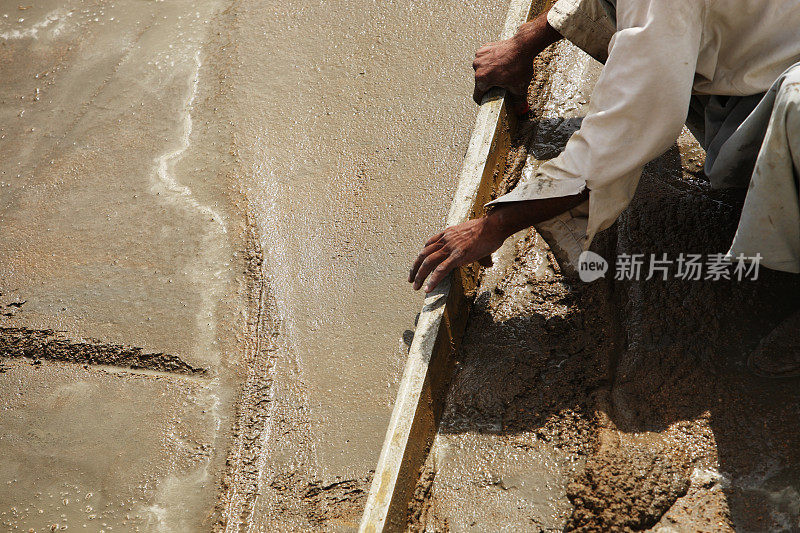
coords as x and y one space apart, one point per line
456 246
475 240
509 64
502 64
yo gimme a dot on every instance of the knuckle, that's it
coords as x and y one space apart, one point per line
427 264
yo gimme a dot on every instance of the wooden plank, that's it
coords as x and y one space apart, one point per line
429 366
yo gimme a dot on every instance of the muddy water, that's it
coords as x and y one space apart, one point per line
354 116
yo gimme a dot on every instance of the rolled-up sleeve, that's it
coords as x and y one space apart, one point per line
588 24
636 112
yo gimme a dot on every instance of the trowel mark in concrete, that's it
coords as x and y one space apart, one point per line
47 344
247 459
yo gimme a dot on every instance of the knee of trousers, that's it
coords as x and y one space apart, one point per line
786 110
790 104
787 101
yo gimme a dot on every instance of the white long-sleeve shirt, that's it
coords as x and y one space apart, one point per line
662 52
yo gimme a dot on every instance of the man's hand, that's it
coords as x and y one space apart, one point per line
501 64
473 240
509 64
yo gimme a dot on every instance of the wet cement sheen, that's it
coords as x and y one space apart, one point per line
136 139
354 118
114 226
488 476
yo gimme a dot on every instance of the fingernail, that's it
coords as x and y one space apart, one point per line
427 288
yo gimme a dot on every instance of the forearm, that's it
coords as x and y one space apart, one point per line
509 218
536 35
476 239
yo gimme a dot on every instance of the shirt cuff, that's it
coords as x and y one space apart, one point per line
606 201
541 187
586 23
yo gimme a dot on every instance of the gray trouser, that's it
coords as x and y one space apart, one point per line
767 142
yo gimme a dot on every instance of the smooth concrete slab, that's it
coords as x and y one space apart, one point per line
109 229
143 143
350 171
75 456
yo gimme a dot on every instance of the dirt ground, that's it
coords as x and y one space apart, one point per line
619 405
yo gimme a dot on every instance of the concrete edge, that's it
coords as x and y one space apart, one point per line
420 398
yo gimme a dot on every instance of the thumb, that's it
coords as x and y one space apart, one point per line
480 90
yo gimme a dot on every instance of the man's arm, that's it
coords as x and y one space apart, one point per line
509 64
637 110
476 239
638 106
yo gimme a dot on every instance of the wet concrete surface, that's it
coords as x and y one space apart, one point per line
206 216
352 119
206 213
348 171
75 456
119 271
486 479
